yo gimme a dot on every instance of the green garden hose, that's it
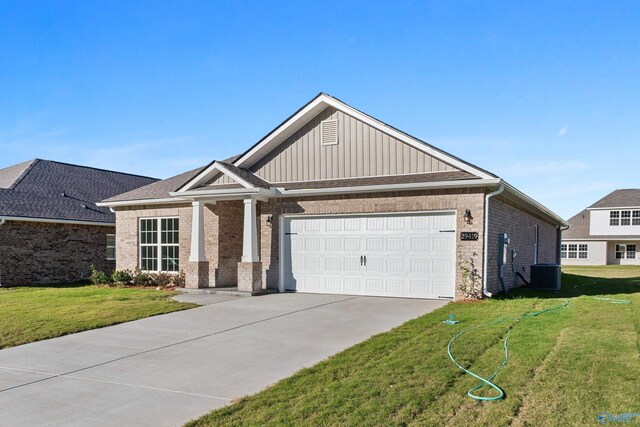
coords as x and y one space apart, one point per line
614 301
489 381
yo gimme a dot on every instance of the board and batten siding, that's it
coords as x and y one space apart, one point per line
221 179
361 151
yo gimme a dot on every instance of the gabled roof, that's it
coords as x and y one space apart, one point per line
322 101
51 190
619 199
11 175
197 184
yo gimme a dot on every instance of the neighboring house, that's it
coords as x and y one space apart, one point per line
50 227
607 232
334 201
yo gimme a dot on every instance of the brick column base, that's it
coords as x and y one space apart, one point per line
249 276
197 274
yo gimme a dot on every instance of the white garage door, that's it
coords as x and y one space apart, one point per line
404 255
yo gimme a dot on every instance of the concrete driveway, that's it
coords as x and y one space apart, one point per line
166 370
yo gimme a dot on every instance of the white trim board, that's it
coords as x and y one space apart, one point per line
210 172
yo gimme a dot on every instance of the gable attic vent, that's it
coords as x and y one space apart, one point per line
329 131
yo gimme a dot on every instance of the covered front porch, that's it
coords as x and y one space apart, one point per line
224 250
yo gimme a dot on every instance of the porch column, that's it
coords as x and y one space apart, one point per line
250 269
197 274
197 232
250 232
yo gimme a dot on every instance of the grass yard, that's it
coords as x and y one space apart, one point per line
36 313
565 367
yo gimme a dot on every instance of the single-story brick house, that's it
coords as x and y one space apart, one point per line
605 233
50 227
335 201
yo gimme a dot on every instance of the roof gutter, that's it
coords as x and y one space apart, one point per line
389 187
138 202
531 202
3 219
485 258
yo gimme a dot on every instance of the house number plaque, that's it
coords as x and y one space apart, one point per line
469 235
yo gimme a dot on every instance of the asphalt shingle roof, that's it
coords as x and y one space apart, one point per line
157 190
619 199
53 190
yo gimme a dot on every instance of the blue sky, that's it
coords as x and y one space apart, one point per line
544 94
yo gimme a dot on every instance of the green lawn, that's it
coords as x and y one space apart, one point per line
565 366
36 313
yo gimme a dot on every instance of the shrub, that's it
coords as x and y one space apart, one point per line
470 285
180 280
162 280
98 277
140 278
122 277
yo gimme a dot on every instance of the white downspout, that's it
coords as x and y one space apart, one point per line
485 238
2 221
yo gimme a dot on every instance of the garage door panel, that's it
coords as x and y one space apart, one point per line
420 266
353 244
442 244
421 244
352 284
406 255
352 265
395 266
352 224
313 263
374 244
374 286
333 264
395 244
333 244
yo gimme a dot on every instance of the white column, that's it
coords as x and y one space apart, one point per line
250 232
197 232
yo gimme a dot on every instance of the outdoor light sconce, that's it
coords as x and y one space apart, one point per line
270 220
468 218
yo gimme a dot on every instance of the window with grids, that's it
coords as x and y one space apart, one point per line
631 251
159 244
583 251
635 219
614 218
620 251
625 217
573 251
563 251
111 246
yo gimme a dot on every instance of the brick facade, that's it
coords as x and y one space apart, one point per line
519 223
35 253
223 239
223 227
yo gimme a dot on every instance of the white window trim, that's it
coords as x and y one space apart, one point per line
159 243
634 214
114 247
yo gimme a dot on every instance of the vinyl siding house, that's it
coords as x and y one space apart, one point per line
335 201
50 227
607 232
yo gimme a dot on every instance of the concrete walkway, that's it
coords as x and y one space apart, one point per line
166 370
